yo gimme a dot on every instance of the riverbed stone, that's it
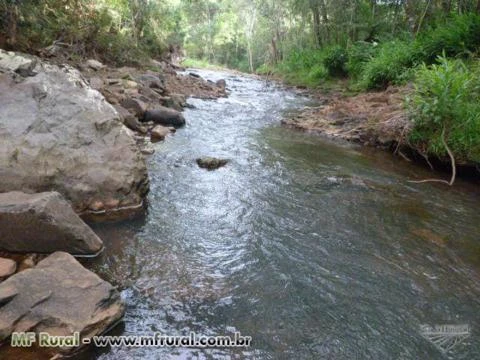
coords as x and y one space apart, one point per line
211 163
7 268
95 64
164 116
57 133
159 133
222 84
152 81
43 223
129 120
136 106
58 296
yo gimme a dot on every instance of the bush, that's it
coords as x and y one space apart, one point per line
358 55
447 99
390 66
318 72
303 67
458 37
335 61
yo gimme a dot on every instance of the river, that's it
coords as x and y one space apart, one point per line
317 250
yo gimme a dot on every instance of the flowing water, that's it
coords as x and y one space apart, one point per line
316 250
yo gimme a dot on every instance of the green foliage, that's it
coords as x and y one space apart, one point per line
359 54
460 36
116 31
390 66
303 67
447 98
335 61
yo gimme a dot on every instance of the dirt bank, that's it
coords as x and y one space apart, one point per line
375 119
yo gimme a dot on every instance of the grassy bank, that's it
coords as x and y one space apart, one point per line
441 63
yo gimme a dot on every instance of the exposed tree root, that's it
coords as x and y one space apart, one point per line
452 161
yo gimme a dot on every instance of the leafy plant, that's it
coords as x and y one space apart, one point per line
390 66
446 103
359 54
335 61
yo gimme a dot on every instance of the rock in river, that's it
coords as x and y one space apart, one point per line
159 133
57 133
164 116
43 223
211 163
58 296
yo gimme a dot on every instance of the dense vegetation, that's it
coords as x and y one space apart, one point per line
372 43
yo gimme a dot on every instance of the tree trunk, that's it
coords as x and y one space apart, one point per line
447 6
410 13
316 26
323 7
250 56
11 24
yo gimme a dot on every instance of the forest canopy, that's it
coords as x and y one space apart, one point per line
242 34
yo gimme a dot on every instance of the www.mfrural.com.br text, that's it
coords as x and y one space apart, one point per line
193 340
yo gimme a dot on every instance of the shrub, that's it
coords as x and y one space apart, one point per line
447 99
390 65
358 55
318 72
335 61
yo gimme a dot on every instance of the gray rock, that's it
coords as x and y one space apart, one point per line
136 106
129 120
211 163
222 84
95 64
7 268
174 101
148 150
96 83
23 65
159 133
58 296
56 133
43 223
165 116
152 81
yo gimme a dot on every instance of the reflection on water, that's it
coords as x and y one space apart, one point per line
317 251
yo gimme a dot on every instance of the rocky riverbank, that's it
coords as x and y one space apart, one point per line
73 141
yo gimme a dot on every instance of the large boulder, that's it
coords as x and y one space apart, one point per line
60 297
164 116
43 223
57 133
